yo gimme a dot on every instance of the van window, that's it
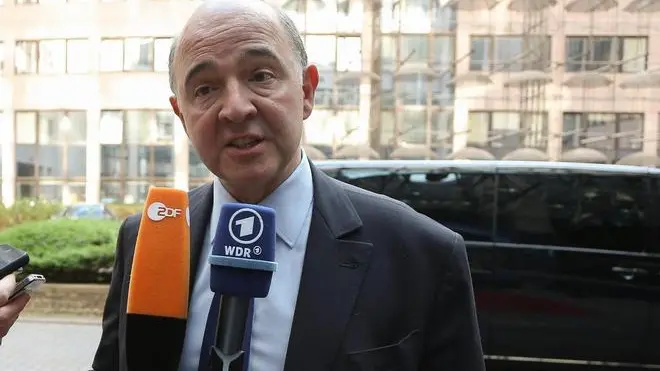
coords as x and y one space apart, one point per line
573 210
462 202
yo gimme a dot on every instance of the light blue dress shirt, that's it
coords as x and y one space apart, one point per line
273 315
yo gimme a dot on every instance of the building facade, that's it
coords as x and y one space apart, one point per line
84 112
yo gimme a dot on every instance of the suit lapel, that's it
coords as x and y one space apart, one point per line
201 204
333 272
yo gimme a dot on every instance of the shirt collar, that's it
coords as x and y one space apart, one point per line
291 201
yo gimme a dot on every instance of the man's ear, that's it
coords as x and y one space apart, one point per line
310 82
175 107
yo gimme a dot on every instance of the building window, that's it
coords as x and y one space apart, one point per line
412 83
615 134
134 54
503 132
417 126
336 57
51 154
607 53
57 56
421 16
137 149
510 53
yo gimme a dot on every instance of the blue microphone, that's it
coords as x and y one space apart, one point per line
242 265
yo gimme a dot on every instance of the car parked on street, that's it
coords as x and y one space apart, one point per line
565 257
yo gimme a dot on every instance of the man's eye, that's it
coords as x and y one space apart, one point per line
201 91
262 76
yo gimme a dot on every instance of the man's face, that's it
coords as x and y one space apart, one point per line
242 97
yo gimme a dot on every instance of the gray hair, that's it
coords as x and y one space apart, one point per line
287 23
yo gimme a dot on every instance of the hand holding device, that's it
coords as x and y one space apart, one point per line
10 310
11 260
158 288
242 266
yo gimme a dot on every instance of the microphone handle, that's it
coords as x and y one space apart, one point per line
228 354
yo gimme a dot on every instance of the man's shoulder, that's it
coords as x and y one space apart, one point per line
395 215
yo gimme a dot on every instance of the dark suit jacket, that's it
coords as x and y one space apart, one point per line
383 288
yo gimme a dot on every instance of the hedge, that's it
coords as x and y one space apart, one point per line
27 210
71 251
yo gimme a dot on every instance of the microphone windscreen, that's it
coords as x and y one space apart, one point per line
243 255
159 282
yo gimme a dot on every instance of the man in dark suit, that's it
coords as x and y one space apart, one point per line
363 282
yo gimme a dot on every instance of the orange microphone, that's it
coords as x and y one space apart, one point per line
159 283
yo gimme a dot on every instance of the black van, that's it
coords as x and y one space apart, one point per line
565 257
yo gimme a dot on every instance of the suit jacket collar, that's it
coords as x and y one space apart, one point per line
333 271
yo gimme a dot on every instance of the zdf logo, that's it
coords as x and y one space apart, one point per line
157 211
246 226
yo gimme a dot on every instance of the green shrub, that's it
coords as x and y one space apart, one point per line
80 251
26 210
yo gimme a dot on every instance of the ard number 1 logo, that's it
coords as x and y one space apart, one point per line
246 226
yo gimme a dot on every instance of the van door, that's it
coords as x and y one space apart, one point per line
649 273
563 285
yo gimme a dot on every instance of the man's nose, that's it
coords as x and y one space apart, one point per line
236 106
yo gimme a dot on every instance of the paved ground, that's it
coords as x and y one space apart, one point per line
49 344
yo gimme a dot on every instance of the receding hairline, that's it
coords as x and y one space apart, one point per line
292 34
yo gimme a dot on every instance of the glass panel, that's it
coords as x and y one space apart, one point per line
111 161
139 128
478 126
74 127
52 56
412 89
505 132
137 165
50 161
164 127
111 192
602 52
163 161
349 16
321 50
595 134
138 54
321 16
25 160
507 53
480 57
414 48
576 53
413 126
26 190
634 54
77 160
571 135
630 127
26 127
162 54
77 193
25 59
535 126
77 56
50 128
111 55
350 57
111 129
51 192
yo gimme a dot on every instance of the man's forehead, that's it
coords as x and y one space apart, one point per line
212 18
